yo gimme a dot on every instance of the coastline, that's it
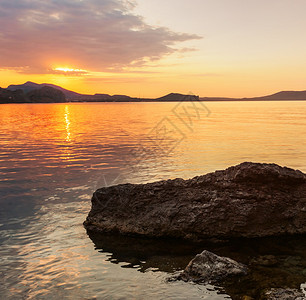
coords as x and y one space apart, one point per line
155 101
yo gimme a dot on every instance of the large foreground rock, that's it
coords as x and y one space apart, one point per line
247 200
209 267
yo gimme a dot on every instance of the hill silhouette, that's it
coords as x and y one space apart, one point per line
280 96
178 97
30 86
284 95
24 93
44 94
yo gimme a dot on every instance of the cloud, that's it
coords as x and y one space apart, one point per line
117 80
96 35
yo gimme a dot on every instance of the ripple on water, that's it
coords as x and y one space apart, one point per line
54 156
54 258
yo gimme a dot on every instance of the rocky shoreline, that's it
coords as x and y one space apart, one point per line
249 201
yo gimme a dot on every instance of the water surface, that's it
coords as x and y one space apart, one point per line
53 156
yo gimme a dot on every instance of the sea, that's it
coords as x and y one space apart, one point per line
54 156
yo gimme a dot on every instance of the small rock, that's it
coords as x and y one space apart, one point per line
209 267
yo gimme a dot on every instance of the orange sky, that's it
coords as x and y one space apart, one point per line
147 49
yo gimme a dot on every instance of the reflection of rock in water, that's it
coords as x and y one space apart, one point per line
164 255
278 262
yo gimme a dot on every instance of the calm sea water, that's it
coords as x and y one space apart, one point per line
53 156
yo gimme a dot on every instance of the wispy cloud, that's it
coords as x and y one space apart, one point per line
95 35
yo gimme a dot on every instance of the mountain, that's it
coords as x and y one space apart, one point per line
7 96
45 94
280 96
26 87
30 86
114 98
177 97
28 92
284 95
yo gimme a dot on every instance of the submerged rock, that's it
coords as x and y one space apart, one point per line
266 260
247 200
285 294
209 267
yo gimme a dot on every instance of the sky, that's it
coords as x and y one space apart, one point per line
142 48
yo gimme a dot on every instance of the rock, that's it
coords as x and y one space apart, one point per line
247 200
209 267
264 260
46 94
284 294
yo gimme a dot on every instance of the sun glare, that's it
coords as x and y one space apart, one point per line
70 70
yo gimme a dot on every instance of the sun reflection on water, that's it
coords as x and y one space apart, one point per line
67 120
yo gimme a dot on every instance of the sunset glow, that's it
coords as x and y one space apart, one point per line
210 48
69 70
137 134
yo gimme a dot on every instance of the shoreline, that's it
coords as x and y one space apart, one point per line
155 101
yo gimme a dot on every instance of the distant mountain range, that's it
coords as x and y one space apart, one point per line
31 92
284 95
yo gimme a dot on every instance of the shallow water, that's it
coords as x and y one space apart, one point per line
53 156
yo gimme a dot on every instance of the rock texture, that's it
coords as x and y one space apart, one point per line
247 200
209 267
285 294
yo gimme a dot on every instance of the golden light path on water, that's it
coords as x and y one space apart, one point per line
67 120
